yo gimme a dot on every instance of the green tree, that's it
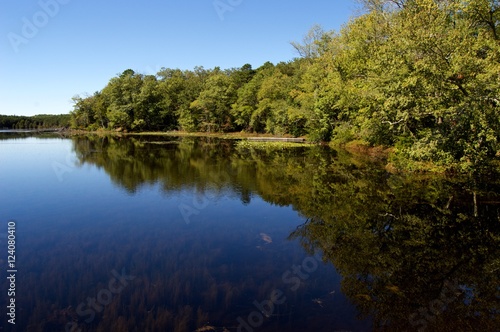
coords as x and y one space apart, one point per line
213 105
149 113
247 100
83 114
276 111
122 93
438 85
188 90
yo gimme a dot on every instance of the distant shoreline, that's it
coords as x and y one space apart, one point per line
47 130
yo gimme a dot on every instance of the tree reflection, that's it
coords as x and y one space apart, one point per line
415 252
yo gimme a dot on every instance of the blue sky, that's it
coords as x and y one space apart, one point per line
51 50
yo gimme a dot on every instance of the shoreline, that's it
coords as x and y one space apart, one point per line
356 148
228 135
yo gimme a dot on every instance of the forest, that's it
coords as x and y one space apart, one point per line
41 121
418 76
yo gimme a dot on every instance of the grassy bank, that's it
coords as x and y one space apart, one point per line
394 161
231 135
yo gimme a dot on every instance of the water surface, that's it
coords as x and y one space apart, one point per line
185 234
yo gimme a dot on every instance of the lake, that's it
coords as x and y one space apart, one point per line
157 233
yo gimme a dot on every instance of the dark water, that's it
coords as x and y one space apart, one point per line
197 234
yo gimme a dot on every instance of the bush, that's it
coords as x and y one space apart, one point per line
343 133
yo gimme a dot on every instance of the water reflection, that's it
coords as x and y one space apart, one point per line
397 241
413 252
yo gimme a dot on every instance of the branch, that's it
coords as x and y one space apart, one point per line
393 123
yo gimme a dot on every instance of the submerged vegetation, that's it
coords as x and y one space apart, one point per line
398 241
414 251
421 76
250 145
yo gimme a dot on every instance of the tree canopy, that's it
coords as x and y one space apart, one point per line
421 76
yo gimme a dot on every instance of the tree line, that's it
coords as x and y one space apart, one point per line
421 76
41 121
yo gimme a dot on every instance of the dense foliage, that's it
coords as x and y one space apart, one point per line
42 121
418 75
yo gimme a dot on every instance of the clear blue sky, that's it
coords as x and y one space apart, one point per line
48 55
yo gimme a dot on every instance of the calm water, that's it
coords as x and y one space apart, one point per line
197 234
